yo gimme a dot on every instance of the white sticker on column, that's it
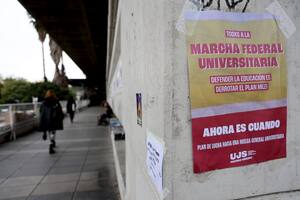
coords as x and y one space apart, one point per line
180 25
155 156
285 23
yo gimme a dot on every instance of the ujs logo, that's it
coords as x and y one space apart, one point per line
241 156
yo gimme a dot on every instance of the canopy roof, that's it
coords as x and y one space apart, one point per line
80 28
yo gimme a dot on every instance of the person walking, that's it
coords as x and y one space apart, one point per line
51 118
71 107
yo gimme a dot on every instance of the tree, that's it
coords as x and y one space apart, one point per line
21 91
15 91
39 90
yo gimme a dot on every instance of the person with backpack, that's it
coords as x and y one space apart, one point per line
51 118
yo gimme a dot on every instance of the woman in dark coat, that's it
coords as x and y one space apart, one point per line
51 118
71 107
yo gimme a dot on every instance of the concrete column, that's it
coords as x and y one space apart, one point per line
12 122
154 63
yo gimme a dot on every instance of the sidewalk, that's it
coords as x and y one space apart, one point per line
81 169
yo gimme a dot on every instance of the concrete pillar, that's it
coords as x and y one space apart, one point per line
154 63
12 122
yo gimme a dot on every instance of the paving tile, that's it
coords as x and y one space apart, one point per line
21 181
37 165
7 153
44 156
75 153
80 158
88 186
78 144
99 157
103 195
13 192
55 188
3 157
41 160
6 173
31 151
100 151
91 168
66 163
82 149
91 162
65 170
99 162
61 178
98 166
61 196
10 165
85 176
31 172
18 198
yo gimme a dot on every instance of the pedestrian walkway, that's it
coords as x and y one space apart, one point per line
81 169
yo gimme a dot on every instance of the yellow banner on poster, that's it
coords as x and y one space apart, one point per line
237 76
234 59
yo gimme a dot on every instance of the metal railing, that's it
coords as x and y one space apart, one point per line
16 119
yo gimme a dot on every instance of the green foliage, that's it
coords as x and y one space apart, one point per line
21 91
15 90
39 90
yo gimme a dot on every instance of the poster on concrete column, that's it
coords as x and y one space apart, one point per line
237 80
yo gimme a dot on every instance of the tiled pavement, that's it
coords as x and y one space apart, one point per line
82 168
